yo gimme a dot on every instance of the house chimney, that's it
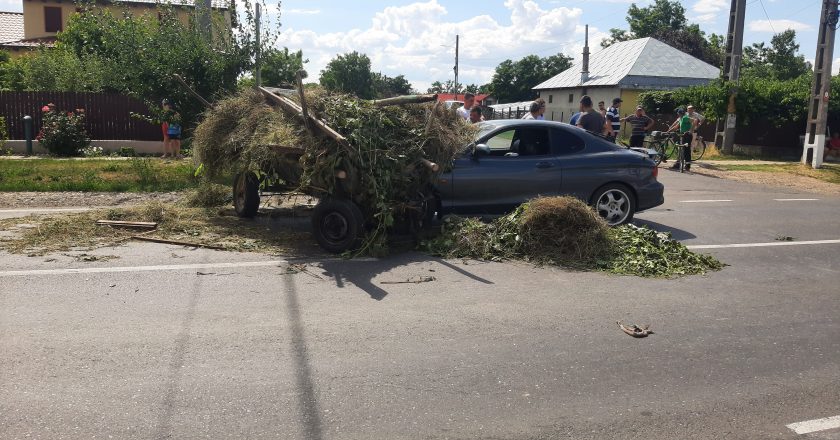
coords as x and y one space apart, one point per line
584 74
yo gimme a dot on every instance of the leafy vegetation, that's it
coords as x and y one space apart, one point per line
564 231
514 80
63 132
350 73
107 175
665 20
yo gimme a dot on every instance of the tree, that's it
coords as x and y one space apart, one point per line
514 80
280 66
349 73
665 20
779 60
386 87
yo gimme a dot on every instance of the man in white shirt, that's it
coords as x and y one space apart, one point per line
469 101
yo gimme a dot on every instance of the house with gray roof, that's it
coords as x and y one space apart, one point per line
623 70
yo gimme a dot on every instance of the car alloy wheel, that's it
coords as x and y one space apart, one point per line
614 206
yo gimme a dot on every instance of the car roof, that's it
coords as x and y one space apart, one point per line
512 123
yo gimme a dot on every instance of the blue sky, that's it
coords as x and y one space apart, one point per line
409 37
416 38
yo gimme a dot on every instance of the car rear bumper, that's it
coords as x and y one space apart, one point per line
650 196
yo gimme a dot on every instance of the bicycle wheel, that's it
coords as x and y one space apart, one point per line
698 147
670 149
659 148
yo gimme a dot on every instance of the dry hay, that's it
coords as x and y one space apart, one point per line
562 229
39 235
558 230
385 175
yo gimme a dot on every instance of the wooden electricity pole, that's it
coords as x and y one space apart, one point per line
258 49
812 153
732 68
457 38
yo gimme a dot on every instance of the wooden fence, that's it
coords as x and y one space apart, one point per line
107 114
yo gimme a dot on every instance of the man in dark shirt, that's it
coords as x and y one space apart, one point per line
641 124
614 117
590 119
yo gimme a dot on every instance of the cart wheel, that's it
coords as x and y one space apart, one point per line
338 225
246 194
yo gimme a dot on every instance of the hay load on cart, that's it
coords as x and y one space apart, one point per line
371 164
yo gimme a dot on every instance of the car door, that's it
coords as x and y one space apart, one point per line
586 164
521 165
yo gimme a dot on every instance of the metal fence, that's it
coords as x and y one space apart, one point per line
107 114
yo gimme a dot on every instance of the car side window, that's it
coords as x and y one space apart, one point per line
523 141
565 142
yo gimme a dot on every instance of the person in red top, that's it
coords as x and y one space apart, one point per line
832 147
164 125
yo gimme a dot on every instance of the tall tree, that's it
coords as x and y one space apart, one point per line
665 20
385 87
349 73
514 80
280 66
777 61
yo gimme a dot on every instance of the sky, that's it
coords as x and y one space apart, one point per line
416 38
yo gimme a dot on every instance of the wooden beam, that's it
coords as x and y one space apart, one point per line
294 109
407 99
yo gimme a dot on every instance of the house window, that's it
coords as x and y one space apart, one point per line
52 19
571 97
550 99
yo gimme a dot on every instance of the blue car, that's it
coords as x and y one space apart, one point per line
513 161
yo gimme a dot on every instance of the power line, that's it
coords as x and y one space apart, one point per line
766 15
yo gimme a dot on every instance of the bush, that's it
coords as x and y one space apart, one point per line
63 133
4 136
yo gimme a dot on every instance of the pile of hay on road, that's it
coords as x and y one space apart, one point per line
564 231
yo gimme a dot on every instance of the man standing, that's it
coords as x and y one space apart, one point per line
475 115
541 114
641 124
590 119
614 117
534 112
686 127
469 101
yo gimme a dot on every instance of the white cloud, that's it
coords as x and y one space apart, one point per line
417 40
707 11
779 25
302 11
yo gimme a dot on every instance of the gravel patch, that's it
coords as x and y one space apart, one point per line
16 200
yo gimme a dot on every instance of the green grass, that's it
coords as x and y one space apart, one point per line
132 175
829 172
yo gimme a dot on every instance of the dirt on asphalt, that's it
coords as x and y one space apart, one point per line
17 200
800 183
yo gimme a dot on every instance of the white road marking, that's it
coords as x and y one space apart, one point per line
16 273
750 245
815 425
795 200
704 201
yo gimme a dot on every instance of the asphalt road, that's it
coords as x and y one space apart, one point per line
167 342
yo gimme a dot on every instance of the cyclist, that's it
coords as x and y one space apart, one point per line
686 126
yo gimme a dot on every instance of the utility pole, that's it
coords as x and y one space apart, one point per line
812 153
258 49
457 38
204 19
732 68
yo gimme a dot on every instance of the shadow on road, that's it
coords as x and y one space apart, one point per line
308 401
361 273
676 234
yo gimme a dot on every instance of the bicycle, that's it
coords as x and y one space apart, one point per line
698 147
664 142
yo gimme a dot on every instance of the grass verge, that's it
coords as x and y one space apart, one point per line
829 172
132 175
39 235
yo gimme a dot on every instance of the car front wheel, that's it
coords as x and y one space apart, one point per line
615 204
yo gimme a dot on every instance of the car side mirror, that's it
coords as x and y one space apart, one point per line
481 150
